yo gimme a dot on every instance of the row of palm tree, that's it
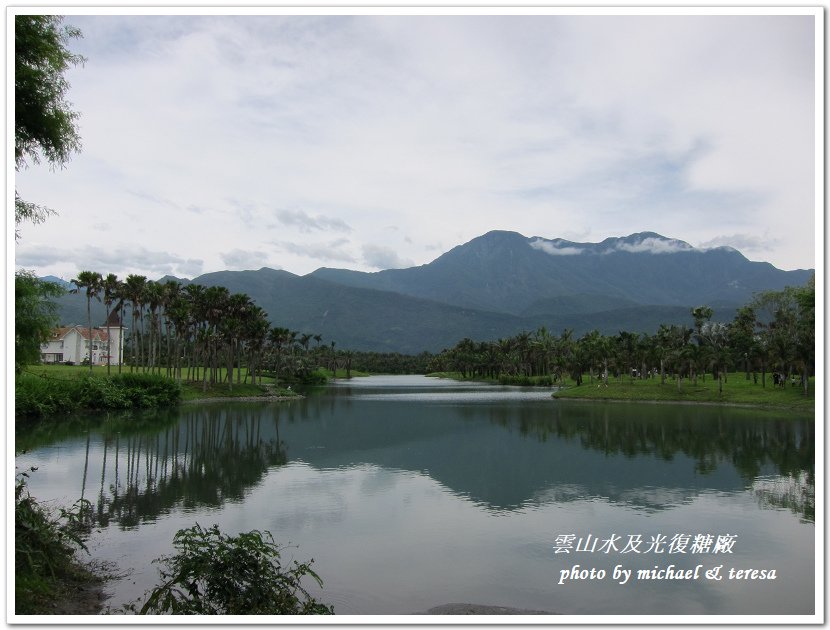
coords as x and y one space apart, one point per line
195 333
775 332
191 331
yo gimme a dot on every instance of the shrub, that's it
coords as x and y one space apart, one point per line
39 396
98 392
44 548
148 390
524 380
317 377
216 574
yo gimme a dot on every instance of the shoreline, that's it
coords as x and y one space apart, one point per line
708 403
242 399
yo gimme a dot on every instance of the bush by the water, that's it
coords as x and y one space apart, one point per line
44 549
521 379
38 396
216 574
314 377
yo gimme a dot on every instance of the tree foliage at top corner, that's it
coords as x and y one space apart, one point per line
44 122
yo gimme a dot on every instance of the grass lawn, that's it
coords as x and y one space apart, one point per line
736 390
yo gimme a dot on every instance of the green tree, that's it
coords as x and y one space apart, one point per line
35 316
743 336
92 283
112 288
701 315
805 298
135 288
44 123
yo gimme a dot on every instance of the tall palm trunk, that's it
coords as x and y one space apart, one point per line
89 327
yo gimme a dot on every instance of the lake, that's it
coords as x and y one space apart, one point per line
411 492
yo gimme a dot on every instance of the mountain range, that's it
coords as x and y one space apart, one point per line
498 285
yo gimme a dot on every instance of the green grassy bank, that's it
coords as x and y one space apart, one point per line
736 390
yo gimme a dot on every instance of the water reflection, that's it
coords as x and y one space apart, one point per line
711 438
198 457
504 456
467 494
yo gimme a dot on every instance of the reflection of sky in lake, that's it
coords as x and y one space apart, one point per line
428 389
458 397
405 506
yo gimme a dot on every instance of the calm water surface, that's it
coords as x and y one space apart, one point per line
410 493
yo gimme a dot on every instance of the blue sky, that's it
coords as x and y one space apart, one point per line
369 142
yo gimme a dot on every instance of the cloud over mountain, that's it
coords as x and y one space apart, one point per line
654 245
381 257
554 249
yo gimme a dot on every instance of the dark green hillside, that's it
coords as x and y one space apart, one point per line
365 319
508 272
576 304
638 319
362 319
498 285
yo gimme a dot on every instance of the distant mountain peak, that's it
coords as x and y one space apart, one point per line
637 243
59 281
650 243
558 246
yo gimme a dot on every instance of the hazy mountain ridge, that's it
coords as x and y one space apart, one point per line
508 272
498 285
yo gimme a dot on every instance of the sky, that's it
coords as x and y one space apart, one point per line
371 142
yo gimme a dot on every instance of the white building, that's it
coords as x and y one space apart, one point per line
72 343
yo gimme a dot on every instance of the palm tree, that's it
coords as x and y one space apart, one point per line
348 355
92 282
135 288
170 292
716 336
255 331
153 297
237 307
178 313
112 289
215 309
194 296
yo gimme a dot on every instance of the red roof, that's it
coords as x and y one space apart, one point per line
97 333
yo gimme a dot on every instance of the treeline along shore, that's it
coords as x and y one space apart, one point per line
186 342
770 343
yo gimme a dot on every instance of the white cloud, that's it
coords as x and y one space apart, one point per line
653 245
381 257
554 249
753 246
239 259
307 223
334 251
134 259
195 128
